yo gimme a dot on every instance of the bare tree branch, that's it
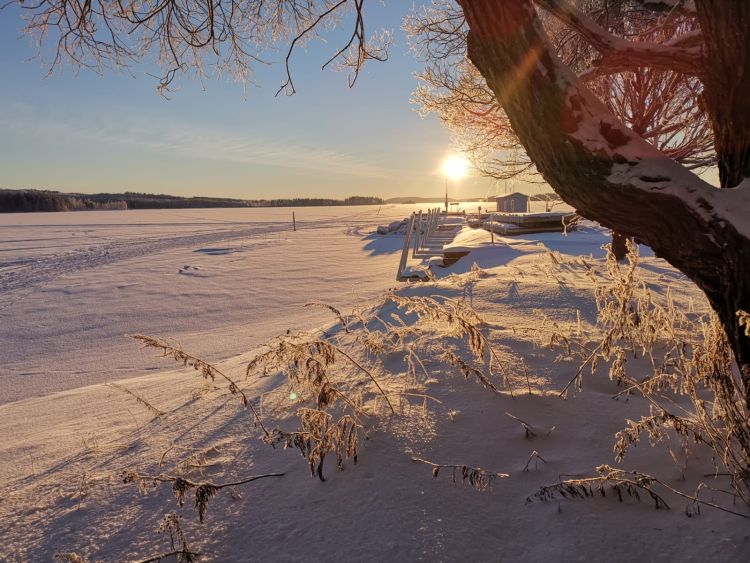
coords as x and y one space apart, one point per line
619 54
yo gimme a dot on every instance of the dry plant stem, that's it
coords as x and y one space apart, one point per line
155 411
583 488
715 490
469 370
164 455
638 385
358 411
451 466
320 436
526 426
421 395
695 499
556 337
526 373
690 356
309 359
615 477
534 455
172 479
207 370
332 309
478 478
494 360
179 554
579 373
203 491
368 373
69 557
465 322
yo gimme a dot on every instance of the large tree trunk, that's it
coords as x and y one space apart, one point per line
612 176
726 30
619 246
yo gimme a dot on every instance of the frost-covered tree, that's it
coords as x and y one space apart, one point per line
607 171
192 36
661 106
595 162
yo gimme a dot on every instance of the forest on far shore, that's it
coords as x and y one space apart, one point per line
25 201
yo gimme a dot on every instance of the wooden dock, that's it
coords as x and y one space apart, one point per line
524 223
427 233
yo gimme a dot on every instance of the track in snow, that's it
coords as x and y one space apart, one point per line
23 275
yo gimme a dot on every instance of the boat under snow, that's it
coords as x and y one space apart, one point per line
523 223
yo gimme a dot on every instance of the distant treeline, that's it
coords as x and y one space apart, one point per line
316 202
20 201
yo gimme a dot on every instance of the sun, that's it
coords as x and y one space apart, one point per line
455 167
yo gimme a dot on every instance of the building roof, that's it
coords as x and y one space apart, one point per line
507 196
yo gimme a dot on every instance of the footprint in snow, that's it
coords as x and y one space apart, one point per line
190 271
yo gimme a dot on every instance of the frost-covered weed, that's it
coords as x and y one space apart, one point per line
339 387
688 355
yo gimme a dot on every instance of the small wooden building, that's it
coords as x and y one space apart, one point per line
512 203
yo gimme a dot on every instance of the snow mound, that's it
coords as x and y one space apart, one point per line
65 452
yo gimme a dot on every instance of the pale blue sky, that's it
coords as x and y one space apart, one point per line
82 132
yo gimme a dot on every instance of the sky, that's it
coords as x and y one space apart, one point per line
78 131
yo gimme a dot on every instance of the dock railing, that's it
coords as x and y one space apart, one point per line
407 244
420 238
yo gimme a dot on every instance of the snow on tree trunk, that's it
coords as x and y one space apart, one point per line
610 174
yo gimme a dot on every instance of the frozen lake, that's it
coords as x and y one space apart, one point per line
222 282
218 281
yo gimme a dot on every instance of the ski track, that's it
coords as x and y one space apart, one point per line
22 275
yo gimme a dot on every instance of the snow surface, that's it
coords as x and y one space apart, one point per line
224 281
219 281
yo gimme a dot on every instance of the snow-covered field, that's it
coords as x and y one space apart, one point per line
223 282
